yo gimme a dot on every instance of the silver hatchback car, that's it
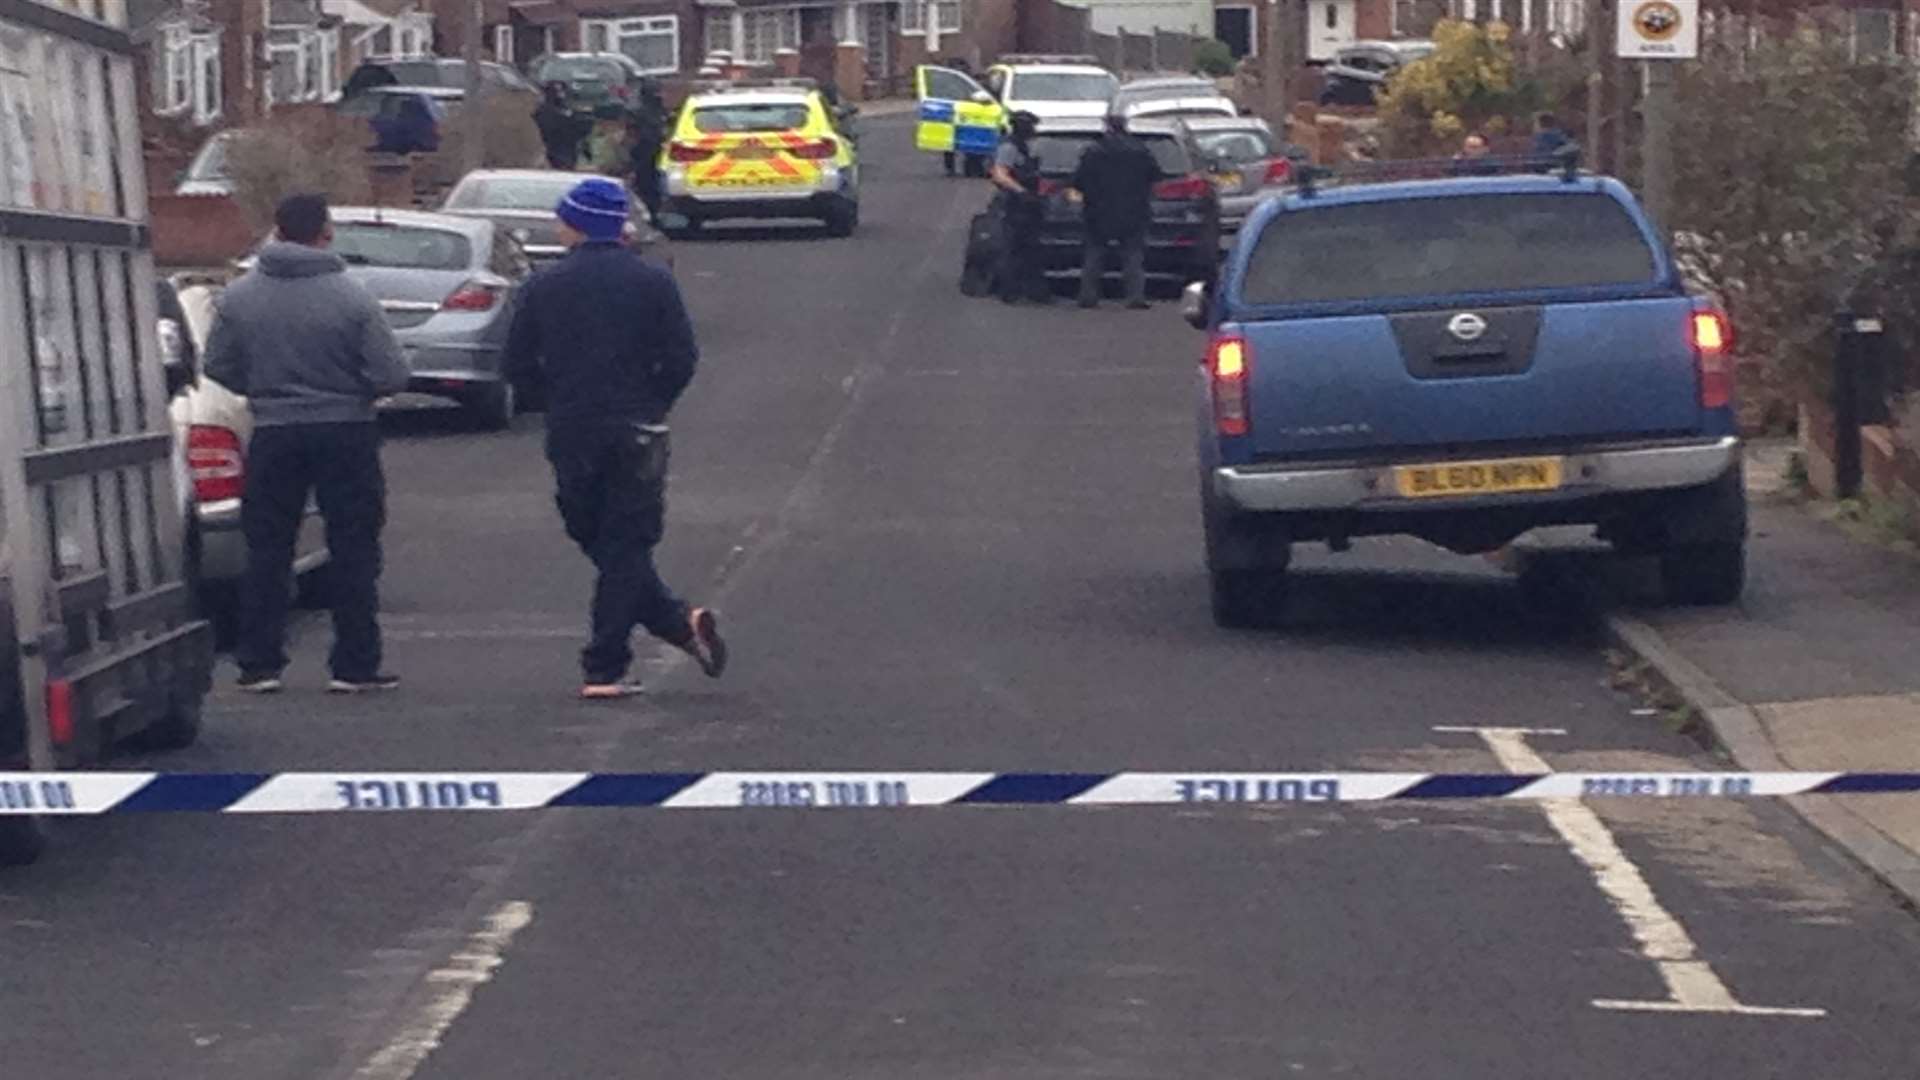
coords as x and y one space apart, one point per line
522 201
447 285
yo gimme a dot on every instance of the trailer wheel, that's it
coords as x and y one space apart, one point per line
179 727
22 839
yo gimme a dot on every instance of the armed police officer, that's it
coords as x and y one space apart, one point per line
1016 173
606 336
1115 178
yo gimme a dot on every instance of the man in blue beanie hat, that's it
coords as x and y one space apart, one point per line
604 337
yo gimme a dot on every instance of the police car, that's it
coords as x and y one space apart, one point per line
759 150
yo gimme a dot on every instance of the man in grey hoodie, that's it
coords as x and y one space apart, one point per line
312 352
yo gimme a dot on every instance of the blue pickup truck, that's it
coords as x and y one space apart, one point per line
1462 360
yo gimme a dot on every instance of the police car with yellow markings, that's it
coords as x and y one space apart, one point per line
956 116
761 149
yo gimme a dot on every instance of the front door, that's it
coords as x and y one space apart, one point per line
1234 27
1330 27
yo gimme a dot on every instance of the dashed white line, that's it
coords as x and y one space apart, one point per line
453 986
1691 983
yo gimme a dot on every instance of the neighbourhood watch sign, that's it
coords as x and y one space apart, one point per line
1659 29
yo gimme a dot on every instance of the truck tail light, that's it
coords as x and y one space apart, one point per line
1186 187
1710 336
680 151
60 712
219 468
1279 171
473 296
1227 359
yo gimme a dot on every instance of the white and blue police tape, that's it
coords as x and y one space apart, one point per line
329 792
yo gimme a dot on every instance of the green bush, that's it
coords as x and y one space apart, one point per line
1472 82
310 151
1212 58
1790 200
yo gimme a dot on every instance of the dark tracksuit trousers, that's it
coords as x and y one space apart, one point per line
611 482
339 464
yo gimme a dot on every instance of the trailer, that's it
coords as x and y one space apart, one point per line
99 641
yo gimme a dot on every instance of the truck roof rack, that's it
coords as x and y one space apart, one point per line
1047 58
1564 161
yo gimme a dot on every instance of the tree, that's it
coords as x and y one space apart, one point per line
1470 83
1791 198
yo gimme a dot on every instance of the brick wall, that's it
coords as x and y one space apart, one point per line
1373 19
198 230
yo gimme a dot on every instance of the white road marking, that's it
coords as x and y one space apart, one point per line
1692 984
454 984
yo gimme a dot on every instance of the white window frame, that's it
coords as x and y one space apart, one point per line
913 16
327 42
755 46
503 44
186 74
208 72
717 34
606 35
173 71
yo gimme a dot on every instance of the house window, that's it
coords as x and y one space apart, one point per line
653 43
719 36
913 16
1873 33
206 64
503 44
328 52
186 74
173 71
762 33
287 53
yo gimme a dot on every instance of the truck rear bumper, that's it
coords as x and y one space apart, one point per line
1369 487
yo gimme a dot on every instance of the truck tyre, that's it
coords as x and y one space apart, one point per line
842 218
1246 599
22 839
493 408
1700 575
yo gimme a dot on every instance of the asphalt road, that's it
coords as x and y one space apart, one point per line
945 535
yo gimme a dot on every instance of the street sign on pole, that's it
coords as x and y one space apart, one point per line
1659 29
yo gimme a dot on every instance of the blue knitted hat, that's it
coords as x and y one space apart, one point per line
596 206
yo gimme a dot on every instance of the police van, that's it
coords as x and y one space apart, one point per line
99 643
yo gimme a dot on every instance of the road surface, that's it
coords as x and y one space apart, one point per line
945 534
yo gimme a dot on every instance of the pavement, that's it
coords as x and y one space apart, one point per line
946 534
1818 668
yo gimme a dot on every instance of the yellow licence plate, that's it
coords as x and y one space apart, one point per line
1478 477
749 152
1227 180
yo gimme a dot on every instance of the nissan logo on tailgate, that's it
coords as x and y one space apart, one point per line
1467 326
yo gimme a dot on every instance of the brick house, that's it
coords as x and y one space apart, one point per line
866 47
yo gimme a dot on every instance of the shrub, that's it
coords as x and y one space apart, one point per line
1471 82
317 151
1212 58
1789 198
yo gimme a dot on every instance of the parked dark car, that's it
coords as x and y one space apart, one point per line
592 78
1357 72
434 71
1183 240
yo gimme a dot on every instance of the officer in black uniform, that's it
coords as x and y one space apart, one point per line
1016 173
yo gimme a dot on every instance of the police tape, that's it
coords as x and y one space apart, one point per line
79 793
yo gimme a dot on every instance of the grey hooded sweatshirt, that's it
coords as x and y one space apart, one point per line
304 344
